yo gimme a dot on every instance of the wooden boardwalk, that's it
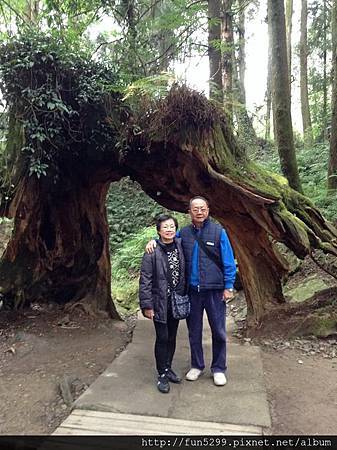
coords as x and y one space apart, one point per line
84 422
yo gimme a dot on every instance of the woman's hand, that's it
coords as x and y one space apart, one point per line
149 313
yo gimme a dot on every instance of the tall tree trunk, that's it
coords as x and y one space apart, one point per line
325 76
281 96
289 26
228 56
163 39
214 53
305 108
129 13
268 94
246 133
32 10
61 241
242 52
332 169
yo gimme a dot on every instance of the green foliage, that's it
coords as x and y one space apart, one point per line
68 18
129 210
126 259
57 93
150 34
153 87
312 166
125 265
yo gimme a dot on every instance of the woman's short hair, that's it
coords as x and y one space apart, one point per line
163 218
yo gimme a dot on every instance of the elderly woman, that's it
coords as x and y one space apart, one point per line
162 272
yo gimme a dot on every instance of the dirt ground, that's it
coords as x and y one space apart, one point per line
300 372
42 349
302 392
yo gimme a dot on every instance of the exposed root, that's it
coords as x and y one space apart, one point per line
85 306
326 262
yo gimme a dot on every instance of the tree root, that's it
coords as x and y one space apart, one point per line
326 262
86 307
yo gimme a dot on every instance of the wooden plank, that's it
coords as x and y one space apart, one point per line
108 423
160 420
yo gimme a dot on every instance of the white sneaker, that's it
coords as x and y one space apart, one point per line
219 378
193 374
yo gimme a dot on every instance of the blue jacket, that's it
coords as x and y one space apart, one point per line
201 272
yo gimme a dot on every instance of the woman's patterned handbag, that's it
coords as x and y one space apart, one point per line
181 306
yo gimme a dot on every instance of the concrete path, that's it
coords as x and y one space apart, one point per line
125 400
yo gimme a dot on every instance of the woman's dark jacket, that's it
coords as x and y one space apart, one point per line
153 281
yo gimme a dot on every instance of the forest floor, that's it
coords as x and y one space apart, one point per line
47 355
47 359
300 372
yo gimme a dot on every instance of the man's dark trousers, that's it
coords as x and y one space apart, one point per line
212 302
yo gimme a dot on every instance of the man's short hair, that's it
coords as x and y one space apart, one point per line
163 218
198 197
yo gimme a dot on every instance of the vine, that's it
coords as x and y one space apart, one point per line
59 96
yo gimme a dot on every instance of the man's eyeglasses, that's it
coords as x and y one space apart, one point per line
203 210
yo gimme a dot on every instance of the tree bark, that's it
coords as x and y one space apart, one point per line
325 76
305 108
246 132
214 53
228 56
163 39
32 10
268 94
289 26
59 249
242 52
281 96
332 169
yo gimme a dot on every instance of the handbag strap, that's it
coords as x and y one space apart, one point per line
209 253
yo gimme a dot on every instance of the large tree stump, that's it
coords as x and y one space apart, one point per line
176 148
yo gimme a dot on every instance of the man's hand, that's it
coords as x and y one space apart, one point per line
228 294
150 246
149 313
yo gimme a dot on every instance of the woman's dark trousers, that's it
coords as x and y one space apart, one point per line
166 334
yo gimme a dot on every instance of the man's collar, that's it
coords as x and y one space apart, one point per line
202 226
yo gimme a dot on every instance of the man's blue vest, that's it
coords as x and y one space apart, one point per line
210 276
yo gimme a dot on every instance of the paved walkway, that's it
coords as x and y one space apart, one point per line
125 400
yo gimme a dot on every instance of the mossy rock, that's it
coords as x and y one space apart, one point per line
318 324
306 289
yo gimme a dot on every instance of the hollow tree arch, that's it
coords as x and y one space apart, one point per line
175 148
198 155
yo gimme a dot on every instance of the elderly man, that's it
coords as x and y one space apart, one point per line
211 274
